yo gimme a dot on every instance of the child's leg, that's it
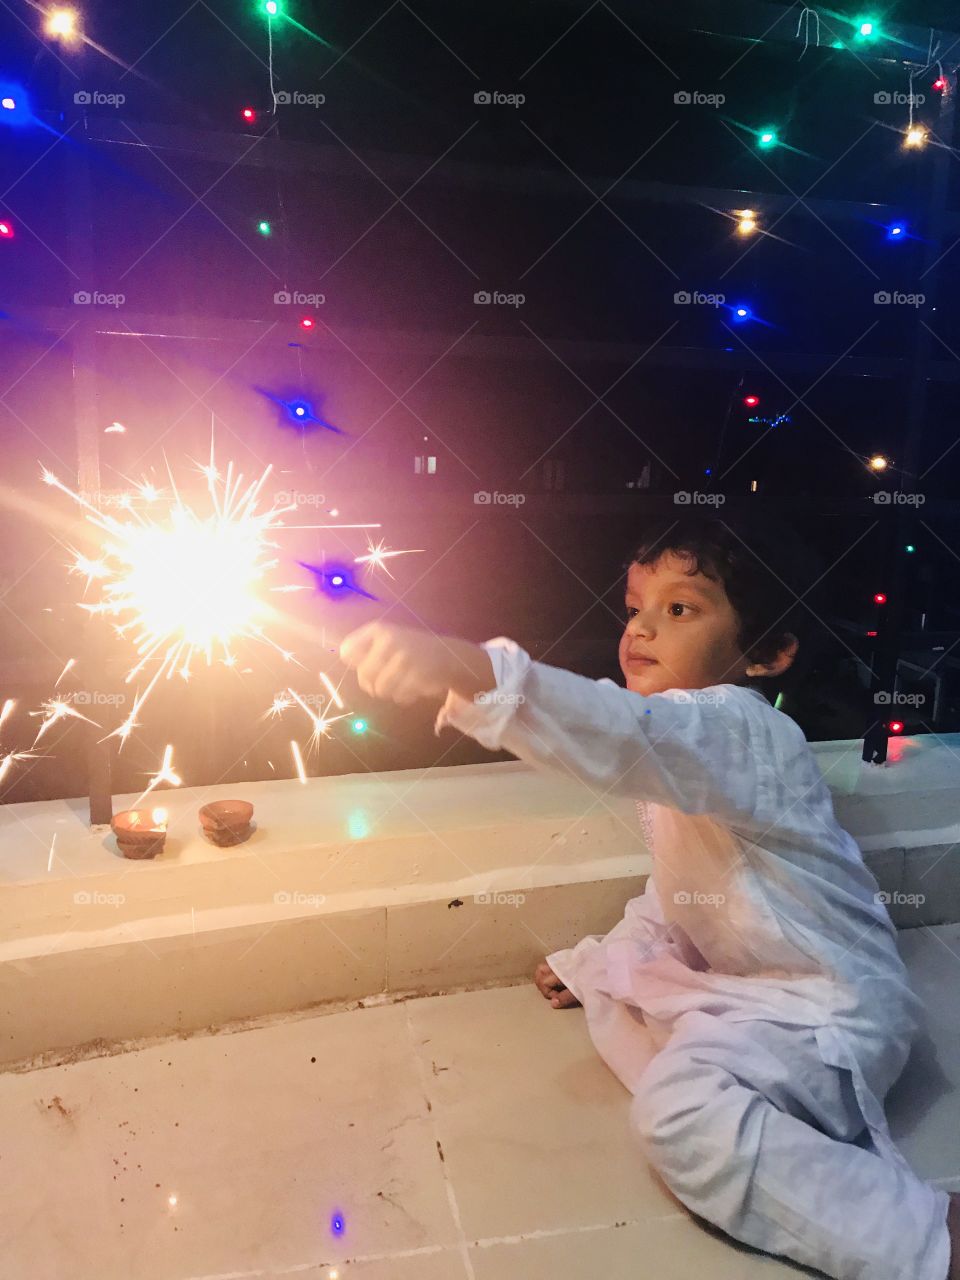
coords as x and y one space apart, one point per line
751 1130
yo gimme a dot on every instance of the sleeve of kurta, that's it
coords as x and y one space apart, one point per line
705 751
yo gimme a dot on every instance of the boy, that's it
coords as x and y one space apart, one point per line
760 959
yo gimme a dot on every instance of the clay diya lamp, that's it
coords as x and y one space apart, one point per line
141 833
227 822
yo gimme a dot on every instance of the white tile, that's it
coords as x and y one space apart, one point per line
260 1145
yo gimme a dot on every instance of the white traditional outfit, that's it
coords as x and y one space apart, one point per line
752 999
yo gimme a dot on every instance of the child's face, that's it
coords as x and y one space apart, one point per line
686 623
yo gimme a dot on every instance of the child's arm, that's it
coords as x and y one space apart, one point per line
708 751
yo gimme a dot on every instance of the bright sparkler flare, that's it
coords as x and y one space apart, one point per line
54 710
183 584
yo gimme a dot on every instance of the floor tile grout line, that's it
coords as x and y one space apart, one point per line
464 1249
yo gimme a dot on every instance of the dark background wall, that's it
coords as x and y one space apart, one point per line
599 198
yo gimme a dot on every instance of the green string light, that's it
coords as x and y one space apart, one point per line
264 228
359 726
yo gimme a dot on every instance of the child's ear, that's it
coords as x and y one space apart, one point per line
776 666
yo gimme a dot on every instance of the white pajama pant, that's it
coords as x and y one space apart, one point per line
752 1131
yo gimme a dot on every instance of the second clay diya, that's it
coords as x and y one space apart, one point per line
141 833
227 822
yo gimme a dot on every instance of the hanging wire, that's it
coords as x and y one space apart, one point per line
805 16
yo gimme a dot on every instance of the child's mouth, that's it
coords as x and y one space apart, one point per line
641 662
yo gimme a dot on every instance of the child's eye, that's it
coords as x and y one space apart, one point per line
631 612
676 604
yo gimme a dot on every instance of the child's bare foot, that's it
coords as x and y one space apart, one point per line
552 989
953 1226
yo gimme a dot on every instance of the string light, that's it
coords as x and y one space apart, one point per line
359 726
895 726
751 401
915 136
249 115
747 222
264 228
896 231
879 598
867 29
767 138
741 313
878 462
8 104
939 84
6 230
307 322
62 24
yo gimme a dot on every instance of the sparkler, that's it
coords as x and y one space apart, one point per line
187 584
10 759
183 586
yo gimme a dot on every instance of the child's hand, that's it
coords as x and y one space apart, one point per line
404 664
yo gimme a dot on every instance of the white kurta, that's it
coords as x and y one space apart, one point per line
759 909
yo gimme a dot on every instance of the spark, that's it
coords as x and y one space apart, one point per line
334 693
7 711
56 709
298 761
53 844
70 664
379 553
321 724
164 774
8 761
280 704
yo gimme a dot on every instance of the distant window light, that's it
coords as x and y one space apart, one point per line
431 466
418 464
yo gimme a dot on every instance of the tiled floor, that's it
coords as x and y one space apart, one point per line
473 1135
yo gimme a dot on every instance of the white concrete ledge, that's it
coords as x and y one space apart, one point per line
356 885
